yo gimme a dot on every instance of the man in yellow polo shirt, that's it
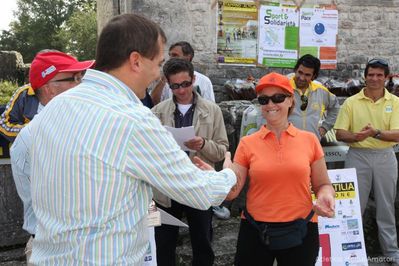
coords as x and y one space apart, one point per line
369 123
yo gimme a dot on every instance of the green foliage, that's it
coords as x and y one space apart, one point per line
7 89
41 24
80 34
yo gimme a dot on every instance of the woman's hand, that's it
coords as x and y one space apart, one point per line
325 205
201 164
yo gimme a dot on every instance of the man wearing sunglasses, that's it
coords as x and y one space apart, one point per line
202 84
51 73
369 123
315 107
187 108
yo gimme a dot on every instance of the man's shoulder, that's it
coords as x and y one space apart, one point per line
201 77
165 104
206 103
316 85
24 91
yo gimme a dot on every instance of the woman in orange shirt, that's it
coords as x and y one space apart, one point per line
283 165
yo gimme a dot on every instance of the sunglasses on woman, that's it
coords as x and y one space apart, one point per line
275 98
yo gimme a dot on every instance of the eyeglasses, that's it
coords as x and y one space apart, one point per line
75 78
378 61
304 100
184 84
276 98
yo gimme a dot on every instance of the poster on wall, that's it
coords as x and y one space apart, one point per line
278 35
318 34
341 237
237 32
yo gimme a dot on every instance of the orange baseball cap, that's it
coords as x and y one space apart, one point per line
274 79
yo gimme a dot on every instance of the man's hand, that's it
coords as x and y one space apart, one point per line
201 164
195 144
322 131
227 161
367 131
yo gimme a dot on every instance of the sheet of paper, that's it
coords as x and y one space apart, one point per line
182 135
166 218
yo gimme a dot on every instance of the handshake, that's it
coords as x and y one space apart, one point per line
241 173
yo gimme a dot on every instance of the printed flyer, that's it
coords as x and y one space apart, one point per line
278 35
341 237
237 32
318 34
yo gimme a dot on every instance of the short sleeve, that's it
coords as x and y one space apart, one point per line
241 157
343 118
318 152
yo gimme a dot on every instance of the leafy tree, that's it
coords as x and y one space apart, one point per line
80 33
39 24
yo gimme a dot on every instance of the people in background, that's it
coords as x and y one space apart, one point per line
187 108
316 108
49 69
369 123
202 85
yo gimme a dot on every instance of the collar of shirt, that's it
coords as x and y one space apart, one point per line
312 86
387 95
109 82
291 130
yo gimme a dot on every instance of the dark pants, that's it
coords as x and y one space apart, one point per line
200 227
250 250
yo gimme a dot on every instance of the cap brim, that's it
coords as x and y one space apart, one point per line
266 85
79 66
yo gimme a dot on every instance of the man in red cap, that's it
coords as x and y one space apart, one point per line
51 73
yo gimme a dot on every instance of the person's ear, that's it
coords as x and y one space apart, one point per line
135 61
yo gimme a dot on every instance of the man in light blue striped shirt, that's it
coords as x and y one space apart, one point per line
96 151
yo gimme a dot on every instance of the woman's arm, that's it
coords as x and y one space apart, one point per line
321 185
241 173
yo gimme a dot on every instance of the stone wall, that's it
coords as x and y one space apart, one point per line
12 66
367 29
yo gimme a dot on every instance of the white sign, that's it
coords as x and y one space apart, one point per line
278 36
341 237
150 257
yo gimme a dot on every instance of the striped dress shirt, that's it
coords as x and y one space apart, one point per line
96 151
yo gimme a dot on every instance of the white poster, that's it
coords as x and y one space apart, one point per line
318 34
278 35
341 237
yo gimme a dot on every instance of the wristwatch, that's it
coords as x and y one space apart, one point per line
378 134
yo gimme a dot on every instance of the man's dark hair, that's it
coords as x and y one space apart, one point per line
123 35
177 65
185 47
377 63
309 61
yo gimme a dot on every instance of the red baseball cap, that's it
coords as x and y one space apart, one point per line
48 64
274 79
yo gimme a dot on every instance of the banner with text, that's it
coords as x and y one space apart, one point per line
318 34
278 35
341 237
237 32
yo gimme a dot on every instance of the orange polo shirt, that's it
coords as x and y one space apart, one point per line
279 173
